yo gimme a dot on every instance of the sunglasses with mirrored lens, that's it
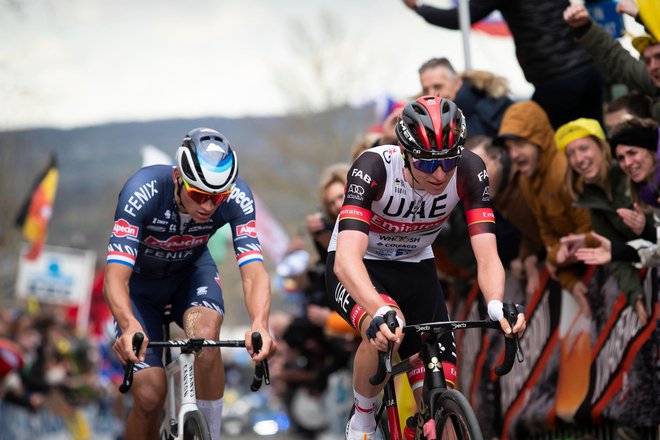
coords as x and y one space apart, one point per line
200 197
429 166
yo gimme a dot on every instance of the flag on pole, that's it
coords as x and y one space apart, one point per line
492 24
37 209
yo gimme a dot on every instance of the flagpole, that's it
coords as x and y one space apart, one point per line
464 22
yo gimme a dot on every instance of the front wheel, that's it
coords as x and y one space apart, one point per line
195 427
454 413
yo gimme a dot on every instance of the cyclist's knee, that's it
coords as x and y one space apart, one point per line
149 390
201 322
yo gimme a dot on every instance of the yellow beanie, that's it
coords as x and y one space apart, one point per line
577 129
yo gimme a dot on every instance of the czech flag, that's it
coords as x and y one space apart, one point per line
494 24
38 208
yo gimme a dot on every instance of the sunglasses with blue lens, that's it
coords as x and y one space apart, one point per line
429 166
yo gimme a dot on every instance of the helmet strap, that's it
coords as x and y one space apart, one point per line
177 194
406 164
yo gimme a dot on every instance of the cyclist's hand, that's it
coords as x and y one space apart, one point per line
268 345
496 313
123 346
379 334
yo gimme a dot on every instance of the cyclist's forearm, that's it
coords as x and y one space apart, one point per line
256 288
490 272
491 281
116 294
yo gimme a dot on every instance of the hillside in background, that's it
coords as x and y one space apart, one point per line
280 158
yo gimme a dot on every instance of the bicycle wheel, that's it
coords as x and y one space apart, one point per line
195 427
453 412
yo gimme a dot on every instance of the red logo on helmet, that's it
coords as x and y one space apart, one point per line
122 228
250 228
177 242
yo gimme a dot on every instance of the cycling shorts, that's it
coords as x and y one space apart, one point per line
199 286
413 286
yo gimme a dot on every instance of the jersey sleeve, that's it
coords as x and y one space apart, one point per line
242 219
366 182
474 191
134 202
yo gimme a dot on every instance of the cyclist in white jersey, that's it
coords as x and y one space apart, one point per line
380 257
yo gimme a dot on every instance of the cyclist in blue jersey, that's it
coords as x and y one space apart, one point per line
157 257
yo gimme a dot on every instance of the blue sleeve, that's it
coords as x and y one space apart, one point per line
242 219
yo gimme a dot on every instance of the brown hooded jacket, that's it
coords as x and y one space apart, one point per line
544 191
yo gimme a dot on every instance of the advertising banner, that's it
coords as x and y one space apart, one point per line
59 275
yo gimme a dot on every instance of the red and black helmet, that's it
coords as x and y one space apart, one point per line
431 128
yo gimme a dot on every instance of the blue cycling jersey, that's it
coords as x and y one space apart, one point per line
152 237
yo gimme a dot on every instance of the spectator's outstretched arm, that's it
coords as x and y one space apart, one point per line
448 18
617 63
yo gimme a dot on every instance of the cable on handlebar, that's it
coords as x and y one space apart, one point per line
261 373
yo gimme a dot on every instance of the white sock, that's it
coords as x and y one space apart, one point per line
363 419
212 410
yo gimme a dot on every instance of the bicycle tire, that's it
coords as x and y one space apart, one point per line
195 427
452 407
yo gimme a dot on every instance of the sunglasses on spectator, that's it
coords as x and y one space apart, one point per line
200 197
429 166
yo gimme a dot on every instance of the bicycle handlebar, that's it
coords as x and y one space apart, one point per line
385 357
261 370
511 347
138 339
261 373
510 344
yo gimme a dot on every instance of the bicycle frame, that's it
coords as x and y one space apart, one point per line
182 368
434 378
181 397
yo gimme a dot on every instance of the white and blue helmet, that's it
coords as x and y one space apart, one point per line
206 161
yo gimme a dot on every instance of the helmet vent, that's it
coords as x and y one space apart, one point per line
185 165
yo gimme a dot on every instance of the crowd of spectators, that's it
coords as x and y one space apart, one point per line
562 194
574 180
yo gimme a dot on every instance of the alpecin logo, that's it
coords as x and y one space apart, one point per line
122 228
249 228
177 242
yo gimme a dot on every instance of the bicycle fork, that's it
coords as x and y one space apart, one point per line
434 385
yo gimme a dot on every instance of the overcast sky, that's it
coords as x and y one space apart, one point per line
68 63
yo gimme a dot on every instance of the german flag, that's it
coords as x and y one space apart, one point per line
37 209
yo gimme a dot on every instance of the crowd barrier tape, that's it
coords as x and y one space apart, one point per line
579 371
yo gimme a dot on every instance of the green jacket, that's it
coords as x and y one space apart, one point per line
606 222
618 64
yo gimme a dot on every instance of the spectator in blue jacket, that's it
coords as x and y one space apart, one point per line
482 96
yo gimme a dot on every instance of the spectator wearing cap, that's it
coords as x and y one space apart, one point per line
635 147
481 96
529 138
597 183
641 74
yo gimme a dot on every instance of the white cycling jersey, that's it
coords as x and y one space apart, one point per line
402 221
